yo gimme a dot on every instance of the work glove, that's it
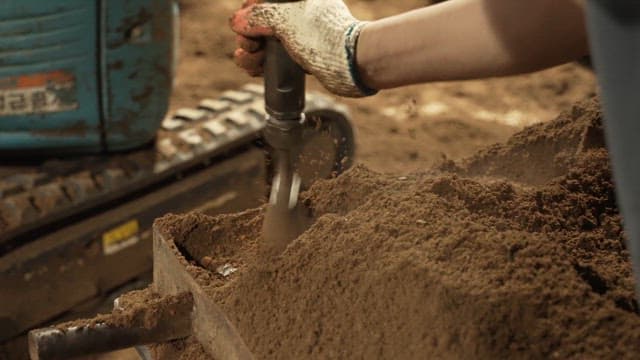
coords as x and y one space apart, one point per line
320 35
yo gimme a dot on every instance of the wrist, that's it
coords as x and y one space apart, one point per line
364 57
353 35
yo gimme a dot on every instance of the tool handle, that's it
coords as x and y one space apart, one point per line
284 82
57 344
86 338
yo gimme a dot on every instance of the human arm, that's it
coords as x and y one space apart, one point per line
457 39
466 39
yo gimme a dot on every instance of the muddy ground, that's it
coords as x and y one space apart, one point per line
480 258
399 131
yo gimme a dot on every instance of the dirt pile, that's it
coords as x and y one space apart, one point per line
515 252
540 153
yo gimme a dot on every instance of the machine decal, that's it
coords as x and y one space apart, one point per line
120 237
38 93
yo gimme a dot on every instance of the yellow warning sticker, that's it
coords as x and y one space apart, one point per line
120 237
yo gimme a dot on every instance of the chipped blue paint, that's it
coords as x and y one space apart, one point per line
118 51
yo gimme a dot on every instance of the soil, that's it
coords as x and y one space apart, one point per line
468 259
399 132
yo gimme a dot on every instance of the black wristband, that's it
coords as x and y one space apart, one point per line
351 44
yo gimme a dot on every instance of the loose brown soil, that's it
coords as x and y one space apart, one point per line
478 258
423 238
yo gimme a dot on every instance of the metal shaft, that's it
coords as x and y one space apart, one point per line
55 343
284 83
284 102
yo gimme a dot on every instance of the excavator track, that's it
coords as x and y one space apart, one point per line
35 197
74 230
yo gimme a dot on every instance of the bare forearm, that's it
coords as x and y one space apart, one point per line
466 39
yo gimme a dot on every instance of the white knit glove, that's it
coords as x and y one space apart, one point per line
320 35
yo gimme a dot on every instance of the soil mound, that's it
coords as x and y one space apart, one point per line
517 252
542 152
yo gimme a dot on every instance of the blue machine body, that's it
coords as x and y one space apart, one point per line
81 76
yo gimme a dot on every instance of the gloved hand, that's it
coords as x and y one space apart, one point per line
320 35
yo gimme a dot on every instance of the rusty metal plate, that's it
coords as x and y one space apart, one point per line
210 326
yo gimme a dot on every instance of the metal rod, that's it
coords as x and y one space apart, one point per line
284 82
54 343
64 343
284 103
